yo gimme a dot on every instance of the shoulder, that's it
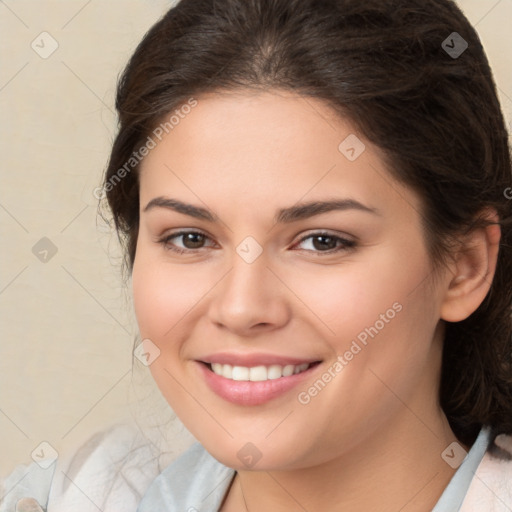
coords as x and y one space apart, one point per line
491 487
26 480
110 471
195 481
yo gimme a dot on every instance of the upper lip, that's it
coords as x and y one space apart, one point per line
256 359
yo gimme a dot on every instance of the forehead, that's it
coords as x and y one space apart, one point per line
256 147
277 126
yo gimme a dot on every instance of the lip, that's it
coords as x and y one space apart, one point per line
250 393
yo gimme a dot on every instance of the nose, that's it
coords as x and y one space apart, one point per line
250 299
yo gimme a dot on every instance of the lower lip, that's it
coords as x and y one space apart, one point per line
244 392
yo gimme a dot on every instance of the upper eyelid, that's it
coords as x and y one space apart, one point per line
182 232
308 234
326 232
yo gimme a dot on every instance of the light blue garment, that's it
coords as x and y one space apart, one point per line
118 470
456 490
33 482
196 482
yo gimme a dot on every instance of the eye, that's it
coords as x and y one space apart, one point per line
191 240
327 243
321 242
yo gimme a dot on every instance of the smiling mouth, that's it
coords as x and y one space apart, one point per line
258 373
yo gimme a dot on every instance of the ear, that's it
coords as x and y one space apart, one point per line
472 270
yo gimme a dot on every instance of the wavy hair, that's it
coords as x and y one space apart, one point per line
397 71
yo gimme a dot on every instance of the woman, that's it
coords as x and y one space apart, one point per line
313 201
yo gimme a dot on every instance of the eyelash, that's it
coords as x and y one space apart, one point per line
345 243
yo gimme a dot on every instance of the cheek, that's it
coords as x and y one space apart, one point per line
163 295
377 316
165 301
348 299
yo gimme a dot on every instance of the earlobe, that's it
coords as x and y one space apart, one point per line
473 271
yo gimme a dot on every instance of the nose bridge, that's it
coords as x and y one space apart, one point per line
249 262
247 283
249 294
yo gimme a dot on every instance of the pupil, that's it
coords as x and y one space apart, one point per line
323 238
194 242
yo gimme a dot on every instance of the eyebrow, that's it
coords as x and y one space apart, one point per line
284 215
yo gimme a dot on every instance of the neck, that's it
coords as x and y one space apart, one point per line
397 465
400 468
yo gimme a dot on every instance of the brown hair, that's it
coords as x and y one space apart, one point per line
385 66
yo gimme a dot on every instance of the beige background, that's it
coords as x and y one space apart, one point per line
67 324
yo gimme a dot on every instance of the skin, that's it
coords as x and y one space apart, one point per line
372 438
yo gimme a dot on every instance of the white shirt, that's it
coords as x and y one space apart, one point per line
118 470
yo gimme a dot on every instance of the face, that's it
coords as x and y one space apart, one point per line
282 274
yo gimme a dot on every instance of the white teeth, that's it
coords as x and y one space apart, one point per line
275 371
217 368
227 371
257 373
240 373
288 370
